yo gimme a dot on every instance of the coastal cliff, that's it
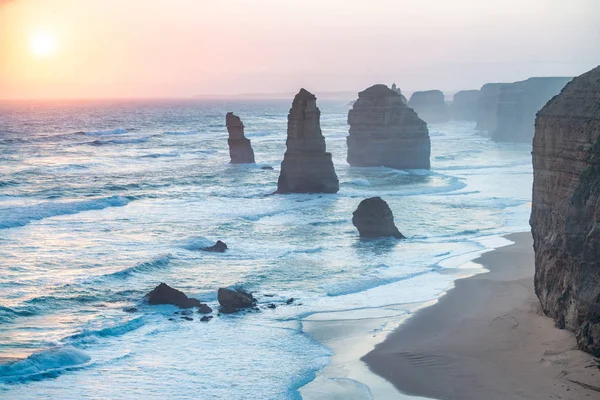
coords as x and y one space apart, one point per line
306 166
430 105
487 104
565 217
464 105
518 104
384 131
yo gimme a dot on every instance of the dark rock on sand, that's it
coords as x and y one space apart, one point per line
464 105
164 294
240 149
518 104
234 299
219 247
306 166
565 215
373 218
204 309
430 105
384 131
206 318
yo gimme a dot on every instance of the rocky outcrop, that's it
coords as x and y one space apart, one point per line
518 104
306 166
464 105
565 216
373 218
218 247
430 105
487 105
232 300
240 149
384 131
397 90
164 294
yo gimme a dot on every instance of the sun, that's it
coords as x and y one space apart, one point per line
42 44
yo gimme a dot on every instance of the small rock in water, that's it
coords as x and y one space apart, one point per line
234 299
206 318
289 301
271 305
374 219
204 309
164 294
186 312
171 319
266 167
188 318
219 247
130 309
269 295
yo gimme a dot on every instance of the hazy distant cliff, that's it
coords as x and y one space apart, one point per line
565 217
517 105
430 105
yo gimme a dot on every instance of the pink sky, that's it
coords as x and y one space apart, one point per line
181 48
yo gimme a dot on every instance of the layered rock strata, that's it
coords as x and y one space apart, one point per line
374 219
384 131
240 149
518 104
430 105
565 217
306 166
464 105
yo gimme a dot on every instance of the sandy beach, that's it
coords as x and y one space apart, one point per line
487 339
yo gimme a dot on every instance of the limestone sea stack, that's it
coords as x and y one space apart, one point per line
565 215
240 149
384 131
306 166
374 219
518 104
487 105
464 105
397 90
430 105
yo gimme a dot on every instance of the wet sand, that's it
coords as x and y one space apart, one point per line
487 339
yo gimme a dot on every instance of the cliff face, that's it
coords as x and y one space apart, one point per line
430 105
464 105
487 104
306 166
517 105
240 149
565 217
386 132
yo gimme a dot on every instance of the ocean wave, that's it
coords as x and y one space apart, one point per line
90 335
8 314
45 364
196 243
159 155
302 251
12 217
118 131
8 183
156 263
369 282
120 141
184 133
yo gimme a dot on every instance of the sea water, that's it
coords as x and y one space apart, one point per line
102 201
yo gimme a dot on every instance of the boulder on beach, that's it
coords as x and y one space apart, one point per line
384 131
430 105
240 149
374 219
565 212
232 300
306 166
218 247
164 294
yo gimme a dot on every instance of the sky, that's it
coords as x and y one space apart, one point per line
181 48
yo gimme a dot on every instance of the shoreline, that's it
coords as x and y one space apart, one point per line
486 338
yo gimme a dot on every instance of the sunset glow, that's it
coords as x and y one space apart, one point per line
42 44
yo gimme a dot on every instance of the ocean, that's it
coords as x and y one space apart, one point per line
100 201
